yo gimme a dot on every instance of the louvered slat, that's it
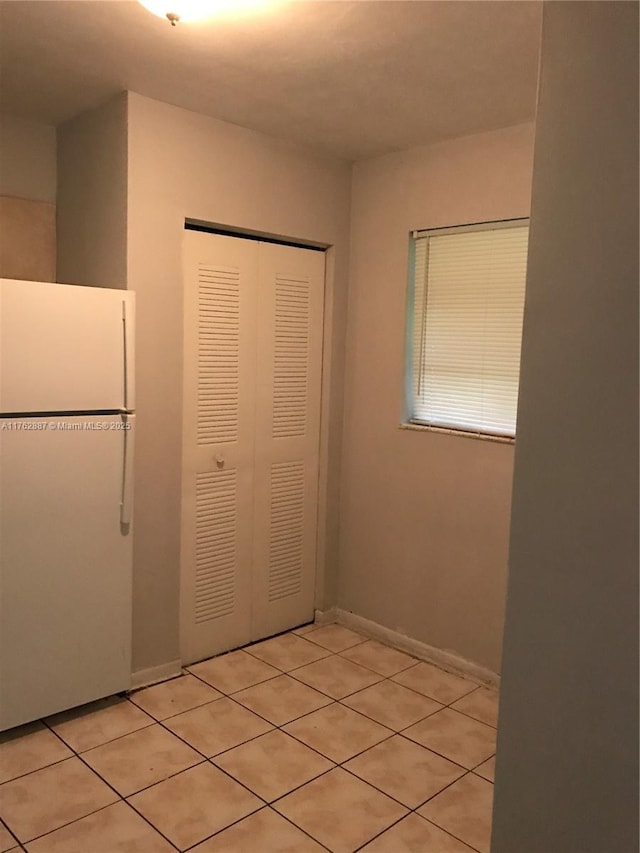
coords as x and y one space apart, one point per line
218 354
286 538
215 551
290 376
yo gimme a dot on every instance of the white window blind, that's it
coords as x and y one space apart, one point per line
469 289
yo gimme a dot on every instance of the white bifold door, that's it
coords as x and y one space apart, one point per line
252 380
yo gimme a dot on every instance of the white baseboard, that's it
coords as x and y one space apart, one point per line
325 617
449 661
155 674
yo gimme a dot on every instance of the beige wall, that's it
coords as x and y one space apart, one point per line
27 239
567 766
27 199
424 516
27 159
92 197
182 164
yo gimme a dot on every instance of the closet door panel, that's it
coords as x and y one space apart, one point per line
288 383
220 279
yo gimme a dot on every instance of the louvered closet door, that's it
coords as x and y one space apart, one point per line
290 318
220 281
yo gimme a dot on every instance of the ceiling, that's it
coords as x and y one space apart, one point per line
353 79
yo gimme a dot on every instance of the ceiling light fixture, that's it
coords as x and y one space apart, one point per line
193 10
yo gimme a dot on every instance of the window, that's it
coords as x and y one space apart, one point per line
466 306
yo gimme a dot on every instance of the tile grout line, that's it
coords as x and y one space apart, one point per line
346 648
409 809
457 837
426 696
264 806
332 699
270 804
382 677
292 672
399 732
373 719
44 767
440 754
248 686
340 765
218 831
284 817
260 642
121 798
466 770
109 740
334 762
470 717
442 704
343 654
329 654
382 832
155 721
393 733
4 824
69 822
414 810
251 710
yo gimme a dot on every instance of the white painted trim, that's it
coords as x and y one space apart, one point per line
155 674
328 307
449 661
518 222
482 436
325 617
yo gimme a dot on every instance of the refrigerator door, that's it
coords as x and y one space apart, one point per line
65 563
65 348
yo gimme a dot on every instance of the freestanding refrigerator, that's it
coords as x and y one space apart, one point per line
67 427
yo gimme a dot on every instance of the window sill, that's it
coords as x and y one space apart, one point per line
481 436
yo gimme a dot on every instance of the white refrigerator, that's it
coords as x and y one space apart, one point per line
67 427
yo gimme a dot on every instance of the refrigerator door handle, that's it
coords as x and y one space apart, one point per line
126 503
128 352
124 357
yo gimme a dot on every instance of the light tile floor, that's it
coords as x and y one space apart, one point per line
315 740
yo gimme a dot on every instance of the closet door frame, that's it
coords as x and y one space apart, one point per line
322 583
